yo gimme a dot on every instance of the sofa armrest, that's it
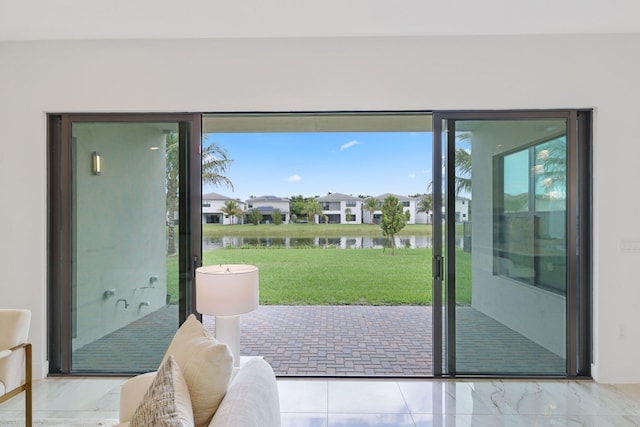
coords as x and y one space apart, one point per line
252 399
132 393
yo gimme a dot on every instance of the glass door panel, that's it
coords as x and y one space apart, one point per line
334 281
124 245
506 246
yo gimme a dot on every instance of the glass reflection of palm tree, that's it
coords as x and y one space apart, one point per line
550 169
215 163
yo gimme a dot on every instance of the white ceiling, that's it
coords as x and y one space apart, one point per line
155 19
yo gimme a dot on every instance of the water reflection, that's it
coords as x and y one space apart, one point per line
211 243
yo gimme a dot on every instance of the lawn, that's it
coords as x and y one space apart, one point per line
317 276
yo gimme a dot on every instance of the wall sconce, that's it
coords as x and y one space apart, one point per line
96 163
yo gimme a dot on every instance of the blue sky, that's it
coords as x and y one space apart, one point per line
312 164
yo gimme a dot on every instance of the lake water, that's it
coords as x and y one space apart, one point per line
211 243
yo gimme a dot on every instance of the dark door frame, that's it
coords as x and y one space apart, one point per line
579 258
578 319
60 211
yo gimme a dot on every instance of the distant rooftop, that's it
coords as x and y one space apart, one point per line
337 197
397 196
268 199
215 196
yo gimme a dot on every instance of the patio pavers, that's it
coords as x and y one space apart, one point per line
329 341
339 340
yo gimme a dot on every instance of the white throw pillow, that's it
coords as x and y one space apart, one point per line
206 364
166 403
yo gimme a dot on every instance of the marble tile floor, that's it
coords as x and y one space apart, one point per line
370 403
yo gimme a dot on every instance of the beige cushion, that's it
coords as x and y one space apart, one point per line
132 392
14 329
166 403
3 354
206 365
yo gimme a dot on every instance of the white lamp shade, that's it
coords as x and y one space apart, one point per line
226 289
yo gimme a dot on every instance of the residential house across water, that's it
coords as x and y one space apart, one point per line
267 205
341 209
212 209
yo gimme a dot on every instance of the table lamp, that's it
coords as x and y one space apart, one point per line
226 291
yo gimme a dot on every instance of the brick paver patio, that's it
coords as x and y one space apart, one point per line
336 341
339 340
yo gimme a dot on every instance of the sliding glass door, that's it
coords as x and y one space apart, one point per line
124 269
511 246
514 274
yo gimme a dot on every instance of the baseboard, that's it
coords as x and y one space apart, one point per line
40 371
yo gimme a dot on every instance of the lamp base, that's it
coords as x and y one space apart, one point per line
228 332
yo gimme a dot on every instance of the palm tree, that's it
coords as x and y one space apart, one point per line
551 166
311 209
371 205
463 170
231 209
215 163
426 203
171 176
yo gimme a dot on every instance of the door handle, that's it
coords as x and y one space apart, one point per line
196 264
437 267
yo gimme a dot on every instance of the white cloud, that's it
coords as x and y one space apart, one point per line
412 175
294 178
349 145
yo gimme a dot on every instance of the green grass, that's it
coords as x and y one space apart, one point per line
317 276
336 276
463 277
172 278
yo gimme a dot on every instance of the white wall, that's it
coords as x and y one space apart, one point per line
166 19
119 227
535 313
356 211
462 207
412 211
328 74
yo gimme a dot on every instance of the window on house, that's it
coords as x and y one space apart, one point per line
530 231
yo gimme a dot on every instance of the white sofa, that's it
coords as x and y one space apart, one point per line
196 385
251 401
